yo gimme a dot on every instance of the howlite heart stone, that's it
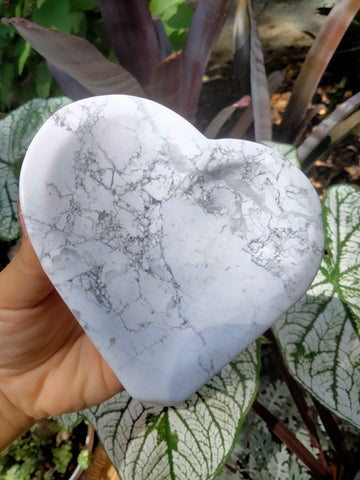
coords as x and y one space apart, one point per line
174 252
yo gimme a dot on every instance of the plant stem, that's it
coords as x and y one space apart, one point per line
280 430
336 438
298 398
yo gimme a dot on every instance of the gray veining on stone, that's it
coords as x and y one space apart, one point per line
174 252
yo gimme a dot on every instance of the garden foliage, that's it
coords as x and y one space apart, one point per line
319 337
16 132
42 453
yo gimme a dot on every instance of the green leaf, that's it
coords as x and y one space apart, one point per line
319 336
83 5
16 132
61 456
180 17
77 22
84 459
53 15
43 80
189 441
177 40
159 7
286 150
18 9
23 57
342 265
7 75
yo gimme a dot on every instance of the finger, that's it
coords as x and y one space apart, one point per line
87 390
74 378
23 282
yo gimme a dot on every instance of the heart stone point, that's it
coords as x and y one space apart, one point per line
174 252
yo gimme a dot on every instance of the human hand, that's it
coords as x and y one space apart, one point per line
48 365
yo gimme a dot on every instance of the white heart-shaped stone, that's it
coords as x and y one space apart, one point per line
173 251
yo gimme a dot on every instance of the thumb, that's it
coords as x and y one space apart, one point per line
23 283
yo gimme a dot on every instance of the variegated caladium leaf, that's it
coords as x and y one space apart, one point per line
320 335
191 441
16 132
288 151
9 226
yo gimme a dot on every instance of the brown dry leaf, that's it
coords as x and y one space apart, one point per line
278 104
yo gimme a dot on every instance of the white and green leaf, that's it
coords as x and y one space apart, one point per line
286 150
319 336
16 132
9 226
186 442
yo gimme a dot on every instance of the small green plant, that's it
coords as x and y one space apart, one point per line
84 459
62 456
43 453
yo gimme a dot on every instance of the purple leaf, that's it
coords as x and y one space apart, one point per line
71 87
310 114
275 79
259 84
244 123
333 137
162 38
344 128
324 128
223 116
132 34
315 64
206 25
241 47
165 82
78 58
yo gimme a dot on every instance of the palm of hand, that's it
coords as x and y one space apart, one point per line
48 365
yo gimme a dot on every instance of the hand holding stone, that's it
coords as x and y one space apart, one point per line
173 251
48 365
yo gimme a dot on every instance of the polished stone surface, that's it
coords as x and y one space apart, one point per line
173 251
